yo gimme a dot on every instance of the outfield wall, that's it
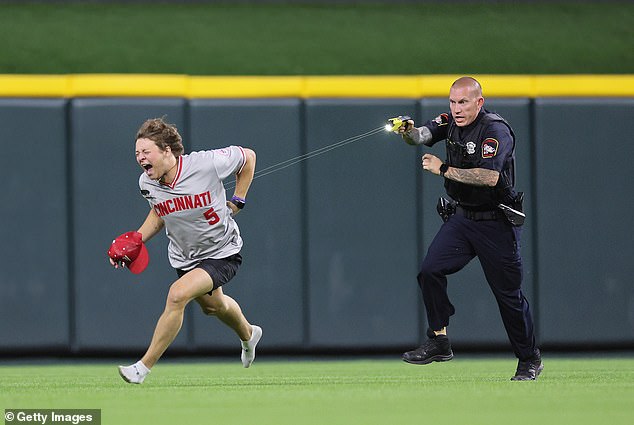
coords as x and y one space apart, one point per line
332 244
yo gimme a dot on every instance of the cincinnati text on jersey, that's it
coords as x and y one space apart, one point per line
181 203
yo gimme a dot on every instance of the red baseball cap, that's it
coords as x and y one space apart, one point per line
130 249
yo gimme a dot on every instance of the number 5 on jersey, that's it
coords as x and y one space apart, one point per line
212 216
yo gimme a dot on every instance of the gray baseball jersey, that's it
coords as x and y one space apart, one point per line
198 222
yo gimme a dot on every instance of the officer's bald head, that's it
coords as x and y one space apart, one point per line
469 83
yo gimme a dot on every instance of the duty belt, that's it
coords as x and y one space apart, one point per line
479 215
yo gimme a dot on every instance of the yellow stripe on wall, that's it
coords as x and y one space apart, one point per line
584 85
232 87
388 86
34 85
362 86
152 85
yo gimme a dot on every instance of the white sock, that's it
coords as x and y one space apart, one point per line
142 368
245 344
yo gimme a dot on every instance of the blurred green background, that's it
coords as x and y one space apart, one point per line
275 39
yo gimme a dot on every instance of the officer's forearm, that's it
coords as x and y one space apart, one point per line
418 136
473 176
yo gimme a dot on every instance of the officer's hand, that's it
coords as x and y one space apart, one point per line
409 133
405 127
431 163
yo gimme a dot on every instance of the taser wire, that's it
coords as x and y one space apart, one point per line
292 161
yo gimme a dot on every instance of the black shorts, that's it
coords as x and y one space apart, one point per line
220 270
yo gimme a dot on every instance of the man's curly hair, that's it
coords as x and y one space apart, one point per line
163 134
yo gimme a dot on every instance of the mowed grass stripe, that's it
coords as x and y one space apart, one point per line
465 390
357 39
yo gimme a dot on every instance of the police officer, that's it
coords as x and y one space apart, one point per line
479 179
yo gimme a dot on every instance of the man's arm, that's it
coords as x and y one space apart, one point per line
417 135
244 179
151 226
428 134
472 176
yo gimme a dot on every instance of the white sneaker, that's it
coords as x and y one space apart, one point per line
248 347
135 373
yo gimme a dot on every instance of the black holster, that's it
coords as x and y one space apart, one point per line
514 212
445 208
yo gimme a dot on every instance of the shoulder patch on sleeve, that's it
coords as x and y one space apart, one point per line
442 119
489 147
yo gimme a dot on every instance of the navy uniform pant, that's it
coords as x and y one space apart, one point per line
497 245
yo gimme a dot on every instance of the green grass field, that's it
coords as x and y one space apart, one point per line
367 39
468 390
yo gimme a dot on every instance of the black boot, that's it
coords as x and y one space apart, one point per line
529 370
435 349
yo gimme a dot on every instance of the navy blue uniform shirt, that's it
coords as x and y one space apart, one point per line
487 143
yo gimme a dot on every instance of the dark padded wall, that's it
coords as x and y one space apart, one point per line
477 319
361 230
115 309
34 279
583 170
269 285
332 244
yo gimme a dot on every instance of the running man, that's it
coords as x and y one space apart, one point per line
188 199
